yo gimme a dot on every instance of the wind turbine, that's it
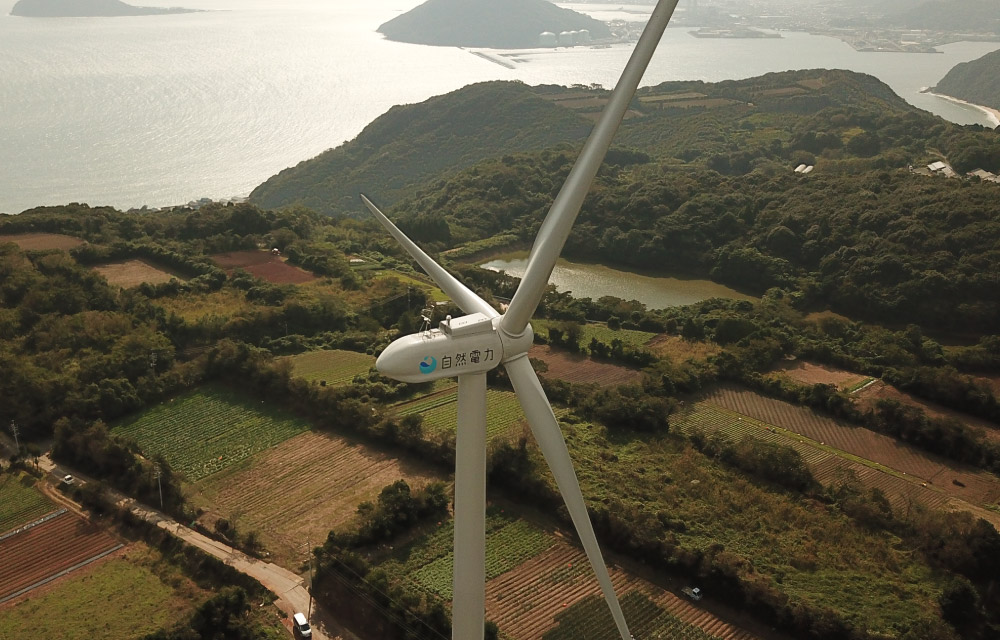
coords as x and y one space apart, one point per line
470 346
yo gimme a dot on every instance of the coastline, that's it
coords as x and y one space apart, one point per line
992 114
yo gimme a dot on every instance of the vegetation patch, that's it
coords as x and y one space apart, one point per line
590 618
575 367
440 412
41 241
208 429
263 265
631 337
20 501
433 293
678 349
809 373
335 366
132 273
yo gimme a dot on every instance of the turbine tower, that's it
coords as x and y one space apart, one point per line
470 346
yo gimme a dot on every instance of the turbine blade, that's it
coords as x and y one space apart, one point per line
546 430
559 221
466 299
468 608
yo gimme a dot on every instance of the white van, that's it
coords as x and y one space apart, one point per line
301 626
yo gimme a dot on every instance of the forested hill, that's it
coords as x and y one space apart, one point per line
499 24
85 8
977 81
961 16
780 117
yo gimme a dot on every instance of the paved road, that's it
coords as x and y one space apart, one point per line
289 587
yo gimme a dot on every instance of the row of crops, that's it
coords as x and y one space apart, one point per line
335 366
208 429
20 502
509 542
440 412
590 619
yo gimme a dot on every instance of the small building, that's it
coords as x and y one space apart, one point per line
804 169
937 166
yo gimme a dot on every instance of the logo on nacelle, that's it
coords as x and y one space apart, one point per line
428 365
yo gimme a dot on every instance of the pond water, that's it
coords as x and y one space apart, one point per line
588 280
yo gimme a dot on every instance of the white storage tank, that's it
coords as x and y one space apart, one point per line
566 39
548 39
583 36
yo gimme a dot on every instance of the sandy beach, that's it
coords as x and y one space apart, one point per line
992 114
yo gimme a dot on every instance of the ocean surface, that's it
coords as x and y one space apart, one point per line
160 110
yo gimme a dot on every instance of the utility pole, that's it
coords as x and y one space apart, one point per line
14 430
156 472
309 610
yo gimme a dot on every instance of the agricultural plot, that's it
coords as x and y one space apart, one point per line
214 307
20 502
47 550
440 412
302 488
574 367
41 241
973 486
630 337
111 600
206 430
809 373
590 618
433 293
335 366
132 273
263 265
678 349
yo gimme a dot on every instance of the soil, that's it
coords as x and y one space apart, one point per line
574 367
809 373
132 273
264 265
42 241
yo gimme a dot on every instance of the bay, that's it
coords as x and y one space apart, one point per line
160 110
588 280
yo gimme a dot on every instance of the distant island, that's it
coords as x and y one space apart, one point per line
977 81
496 24
86 8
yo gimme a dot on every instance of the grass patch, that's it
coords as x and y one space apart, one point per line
337 367
116 600
440 412
433 293
198 307
20 501
632 337
208 429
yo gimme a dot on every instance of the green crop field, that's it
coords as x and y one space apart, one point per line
590 619
336 366
433 293
208 429
440 412
20 502
430 561
117 600
637 339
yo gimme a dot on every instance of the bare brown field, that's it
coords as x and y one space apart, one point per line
42 241
302 488
809 373
263 265
132 273
47 549
525 601
574 367
680 350
880 390
973 486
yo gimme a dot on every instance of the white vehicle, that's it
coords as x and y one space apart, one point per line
301 626
68 479
693 593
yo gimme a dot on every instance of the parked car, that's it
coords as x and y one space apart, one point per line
68 479
692 592
301 626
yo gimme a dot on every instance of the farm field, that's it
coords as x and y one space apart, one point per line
302 488
119 598
219 306
335 366
20 501
976 487
535 578
43 551
678 349
206 430
263 265
575 367
631 337
41 241
440 412
880 390
132 273
434 294
809 373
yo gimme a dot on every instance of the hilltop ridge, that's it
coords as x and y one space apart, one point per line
977 81
86 8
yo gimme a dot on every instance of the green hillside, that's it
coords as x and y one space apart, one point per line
961 16
977 81
498 24
85 8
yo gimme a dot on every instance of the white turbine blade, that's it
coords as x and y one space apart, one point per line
559 221
468 610
467 300
546 430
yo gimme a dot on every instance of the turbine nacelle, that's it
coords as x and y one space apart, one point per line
459 346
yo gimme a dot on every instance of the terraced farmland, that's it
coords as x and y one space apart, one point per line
335 366
574 367
48 549
302 488
204 431
20 502
440 412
